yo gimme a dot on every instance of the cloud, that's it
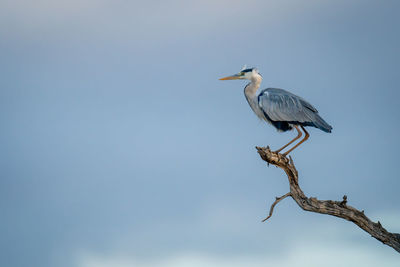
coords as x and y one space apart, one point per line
339 241
149 19
300 256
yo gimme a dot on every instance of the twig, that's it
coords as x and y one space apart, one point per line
276 202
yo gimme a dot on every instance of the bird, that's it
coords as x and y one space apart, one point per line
282 109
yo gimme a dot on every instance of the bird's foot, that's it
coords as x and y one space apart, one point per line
279 150
272 157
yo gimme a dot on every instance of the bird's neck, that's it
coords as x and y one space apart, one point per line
250 91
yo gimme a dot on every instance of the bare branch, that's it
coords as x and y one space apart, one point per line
335 208
276 202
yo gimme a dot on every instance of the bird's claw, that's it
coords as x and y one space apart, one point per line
277 152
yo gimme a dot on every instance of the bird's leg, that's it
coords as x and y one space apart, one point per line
299 143
294 139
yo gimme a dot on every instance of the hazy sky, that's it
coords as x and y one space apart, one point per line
120 147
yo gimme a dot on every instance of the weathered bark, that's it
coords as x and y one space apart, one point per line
336 208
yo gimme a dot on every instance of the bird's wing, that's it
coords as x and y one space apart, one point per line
281 105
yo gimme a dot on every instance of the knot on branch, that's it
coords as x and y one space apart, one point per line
344 201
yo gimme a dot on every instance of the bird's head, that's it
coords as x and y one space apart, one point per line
244 74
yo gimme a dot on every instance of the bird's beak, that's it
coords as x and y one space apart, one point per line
233 77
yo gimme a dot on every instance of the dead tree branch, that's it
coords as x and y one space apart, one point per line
335 208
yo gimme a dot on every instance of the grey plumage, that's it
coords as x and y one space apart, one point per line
282 108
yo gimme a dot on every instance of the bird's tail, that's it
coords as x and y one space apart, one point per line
321 124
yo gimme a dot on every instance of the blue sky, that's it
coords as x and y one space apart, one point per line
120 147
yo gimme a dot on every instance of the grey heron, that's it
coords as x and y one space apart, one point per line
280 108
